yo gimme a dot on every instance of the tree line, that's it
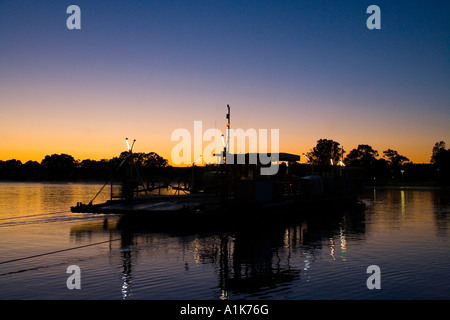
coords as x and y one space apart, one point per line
332 152
64 167
327 154
390 167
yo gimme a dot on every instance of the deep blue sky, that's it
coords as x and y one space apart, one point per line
144 68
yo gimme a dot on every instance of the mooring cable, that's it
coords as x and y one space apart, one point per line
58 251
34 215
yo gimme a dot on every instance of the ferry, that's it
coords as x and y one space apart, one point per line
233 189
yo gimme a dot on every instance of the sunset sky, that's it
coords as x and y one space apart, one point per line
141 69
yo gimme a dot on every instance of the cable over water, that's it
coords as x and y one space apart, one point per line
58 251
34 215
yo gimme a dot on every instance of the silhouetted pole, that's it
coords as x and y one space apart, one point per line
228 135
193 169
312 163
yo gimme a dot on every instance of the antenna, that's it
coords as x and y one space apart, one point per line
225 146
228 126
132 164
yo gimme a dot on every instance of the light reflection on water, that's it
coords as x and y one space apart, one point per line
319 255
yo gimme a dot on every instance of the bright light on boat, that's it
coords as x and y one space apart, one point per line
223 141
199 157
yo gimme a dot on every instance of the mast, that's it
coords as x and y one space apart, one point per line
228 135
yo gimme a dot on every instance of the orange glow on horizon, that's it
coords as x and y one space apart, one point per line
83 150
94 125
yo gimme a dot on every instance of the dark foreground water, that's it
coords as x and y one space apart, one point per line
320 255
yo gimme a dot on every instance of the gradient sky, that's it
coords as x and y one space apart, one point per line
141 69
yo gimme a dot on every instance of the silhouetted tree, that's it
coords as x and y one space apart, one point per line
59 166
147 164
65 167
94 170
325 151
58 161
13 163
32 164
380 171
440 155
141 159
31 170
152 160
10 169
440 159
394 157
363 156
116 161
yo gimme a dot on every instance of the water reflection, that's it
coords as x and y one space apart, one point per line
127 241
317 255
412 205
403 202
441 199
286 258
108 226
126 274
250 260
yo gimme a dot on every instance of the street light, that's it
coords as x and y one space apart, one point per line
312 164
128 145
199 157
340 168
306 158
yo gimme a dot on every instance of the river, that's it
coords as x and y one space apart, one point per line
317 256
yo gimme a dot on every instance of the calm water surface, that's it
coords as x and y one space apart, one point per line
320 255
